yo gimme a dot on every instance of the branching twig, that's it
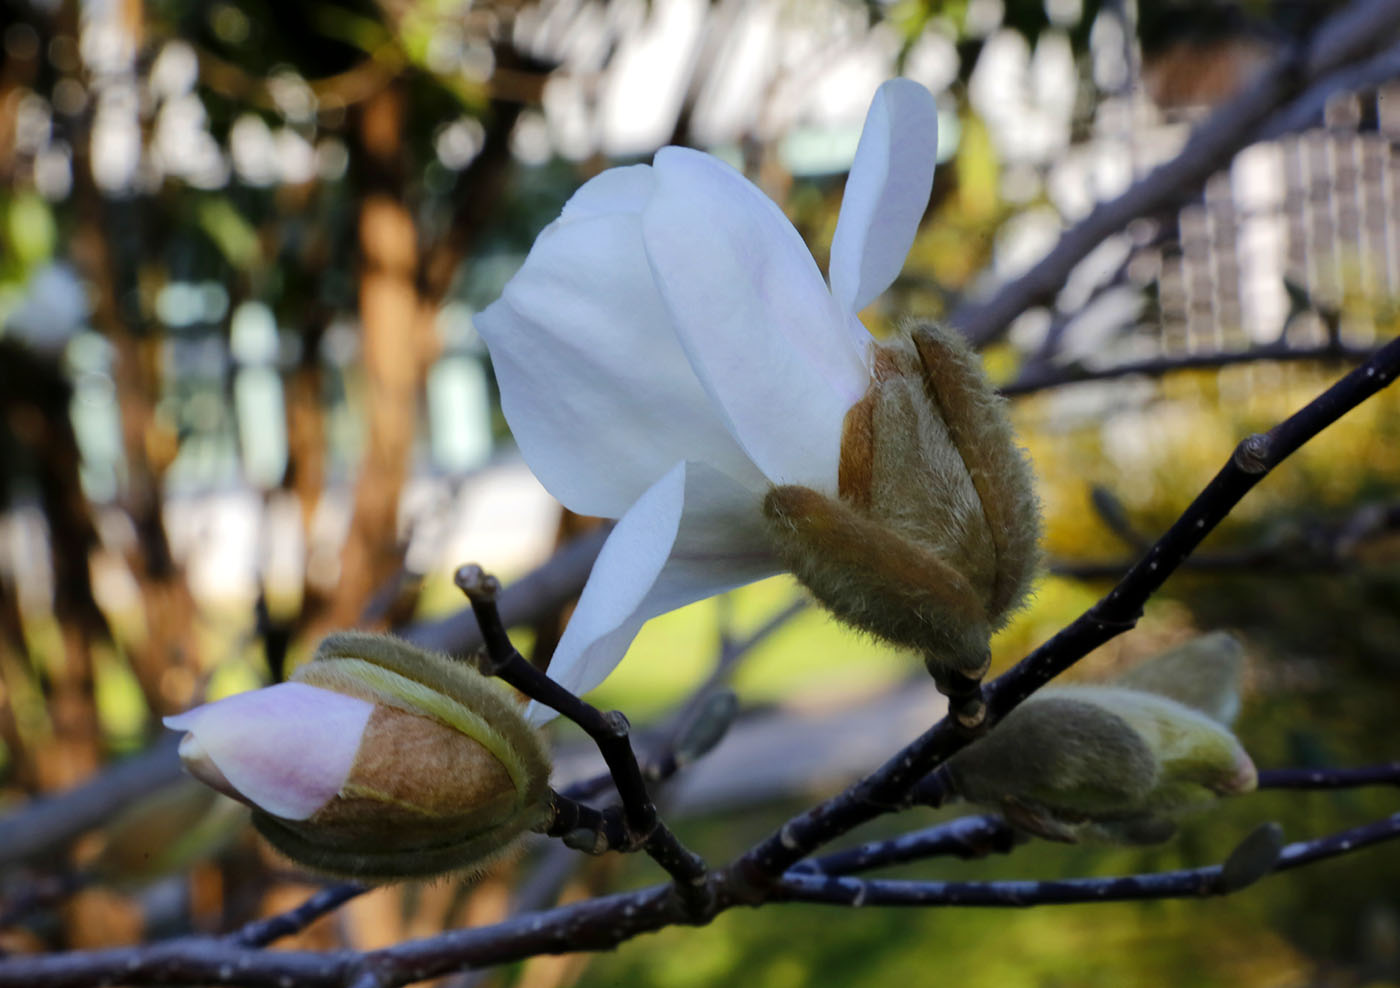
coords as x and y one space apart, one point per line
262 932
599 924
609 731
966 837
542 591
1186 883
978 836
1387 774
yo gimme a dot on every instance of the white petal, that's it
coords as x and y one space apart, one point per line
617 190
763 334
694 534
886 193
286 749
598 392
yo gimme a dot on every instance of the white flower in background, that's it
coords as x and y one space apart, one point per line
669 351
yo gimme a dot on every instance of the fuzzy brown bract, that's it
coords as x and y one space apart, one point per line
933 540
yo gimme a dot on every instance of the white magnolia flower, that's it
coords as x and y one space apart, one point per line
669 351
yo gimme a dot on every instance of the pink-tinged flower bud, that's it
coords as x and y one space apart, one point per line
1102 763
378 761
932 542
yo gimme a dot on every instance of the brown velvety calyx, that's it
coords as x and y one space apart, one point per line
932 540
414 780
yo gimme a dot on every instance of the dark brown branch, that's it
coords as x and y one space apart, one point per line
1354 33
967 837
761 874
1387 774
1186 883
600 924
978 836
587 829
609 731
1252 460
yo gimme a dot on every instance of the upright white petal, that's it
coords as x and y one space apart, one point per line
617 190
286 749
886 192
763 334
597 390
694 534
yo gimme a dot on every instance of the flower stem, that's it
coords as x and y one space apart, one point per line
610 732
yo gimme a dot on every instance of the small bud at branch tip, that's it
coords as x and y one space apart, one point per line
476 583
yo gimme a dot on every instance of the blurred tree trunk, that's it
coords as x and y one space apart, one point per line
35 396
166 661
393 353
402 286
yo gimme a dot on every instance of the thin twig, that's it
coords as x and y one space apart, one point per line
1387 774
968 837
262 932
585 828
1312 547
609 731
1185 883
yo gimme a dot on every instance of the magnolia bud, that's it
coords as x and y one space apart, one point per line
377 761
1101 763
1203 673
933 540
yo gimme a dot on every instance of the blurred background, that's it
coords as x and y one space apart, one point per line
242 403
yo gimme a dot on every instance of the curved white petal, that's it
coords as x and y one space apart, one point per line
617 190
598 392
286 749
886 193
694 534
763 334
